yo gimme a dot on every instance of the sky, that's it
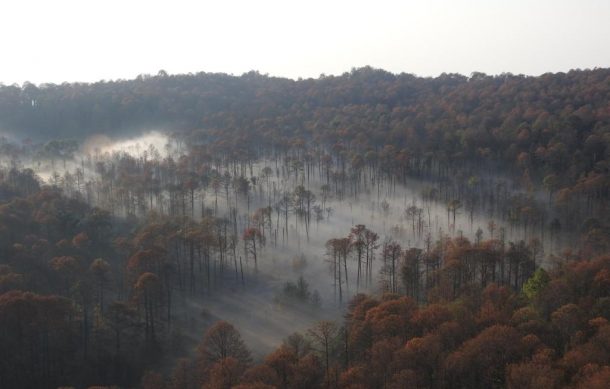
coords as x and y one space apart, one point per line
89 40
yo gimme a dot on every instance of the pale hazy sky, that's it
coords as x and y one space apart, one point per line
87 40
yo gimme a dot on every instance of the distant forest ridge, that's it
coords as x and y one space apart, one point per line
555 125
384 103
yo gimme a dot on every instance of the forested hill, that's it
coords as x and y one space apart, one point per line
552 124
488 109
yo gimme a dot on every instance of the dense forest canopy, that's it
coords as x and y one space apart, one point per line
368 230
557 123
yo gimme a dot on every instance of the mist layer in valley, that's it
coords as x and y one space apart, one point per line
138 176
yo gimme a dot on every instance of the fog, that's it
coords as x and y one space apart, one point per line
251 304
135 146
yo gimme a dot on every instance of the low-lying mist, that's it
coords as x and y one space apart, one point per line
150 142
251 304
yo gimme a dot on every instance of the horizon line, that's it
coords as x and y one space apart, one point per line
321 76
